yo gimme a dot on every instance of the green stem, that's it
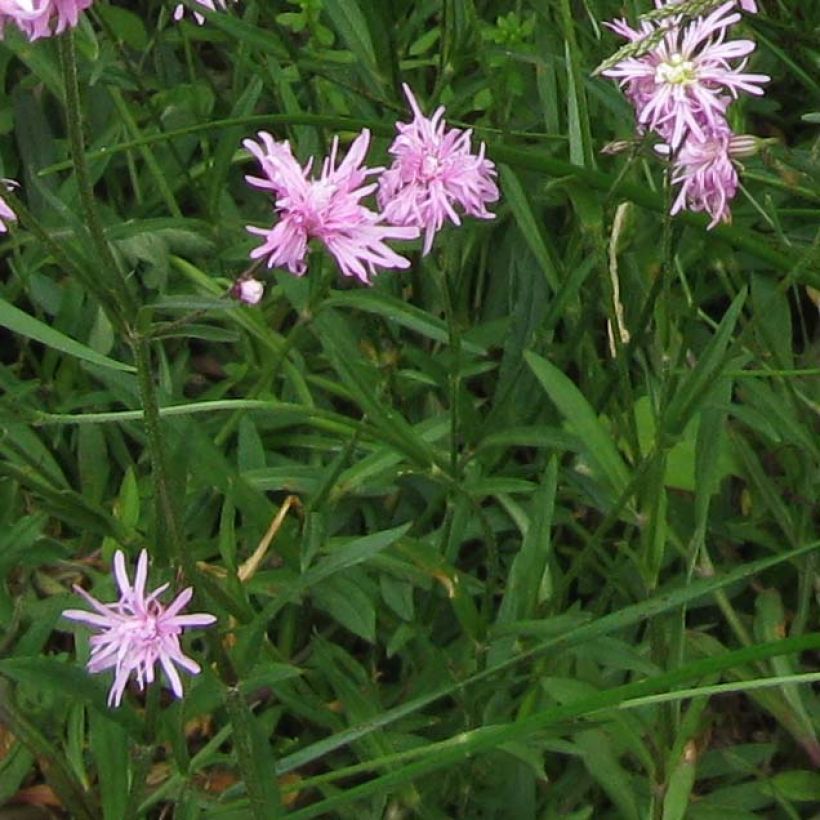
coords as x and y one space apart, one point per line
165 508
454 380
112 274
143 754
166 518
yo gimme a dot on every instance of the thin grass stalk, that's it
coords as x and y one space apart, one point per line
140 345
163 498
112 274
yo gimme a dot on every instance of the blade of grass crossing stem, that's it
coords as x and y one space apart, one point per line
516 198
460 747
664 601
255 759
582 421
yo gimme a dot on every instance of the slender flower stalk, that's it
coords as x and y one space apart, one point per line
434 172
41 18
137 631
328 209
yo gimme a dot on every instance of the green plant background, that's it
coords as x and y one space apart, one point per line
549 534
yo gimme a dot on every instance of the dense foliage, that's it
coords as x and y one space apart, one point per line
526 529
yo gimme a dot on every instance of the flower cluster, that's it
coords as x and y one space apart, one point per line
41 18
433 173
681 87
137 631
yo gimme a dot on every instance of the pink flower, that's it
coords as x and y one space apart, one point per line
684 84
137 631
434 170
706 171
6 215
213 5
41 18
327 209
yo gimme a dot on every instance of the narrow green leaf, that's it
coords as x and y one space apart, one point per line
109 745
351 24
516 198
530 564
255 759
678 789
693 389
400 312
19 322
603 766
582 421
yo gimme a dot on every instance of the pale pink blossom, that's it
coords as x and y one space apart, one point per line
434 173
6 215
328 209
684 84
213 5
706 170
41 18
248 290
137 631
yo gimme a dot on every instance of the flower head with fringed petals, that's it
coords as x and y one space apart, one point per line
137 631
327 208
434 173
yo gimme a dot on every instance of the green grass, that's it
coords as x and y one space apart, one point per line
547 533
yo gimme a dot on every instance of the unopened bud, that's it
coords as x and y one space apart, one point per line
248 291
617 147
